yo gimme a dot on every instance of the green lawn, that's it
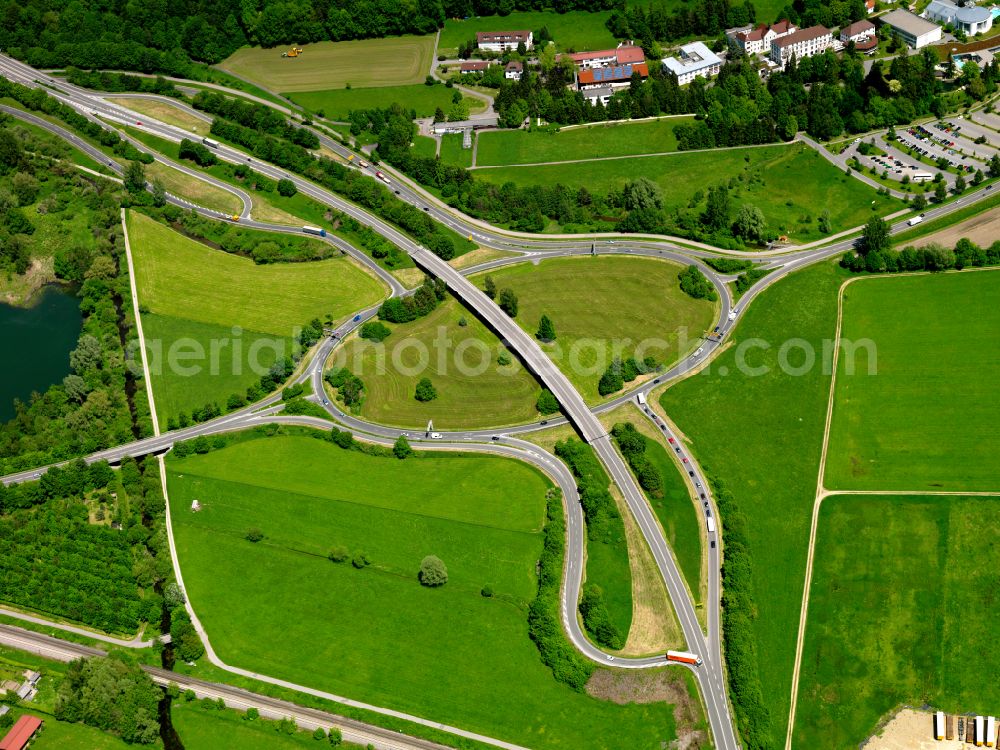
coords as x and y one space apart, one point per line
58 735
605 305
453 153
928 419
197 300
761 434
280 607
453 356
530 147
203 728
900 611
337 103
424 146
392 61
791 184
574 31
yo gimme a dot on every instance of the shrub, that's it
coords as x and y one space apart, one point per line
487 591
694 284
425 390
401 449
253 535
547 403
338 554
287 188
373 330
596 619
361 560
432 572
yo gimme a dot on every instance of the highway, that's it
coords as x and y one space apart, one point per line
710 675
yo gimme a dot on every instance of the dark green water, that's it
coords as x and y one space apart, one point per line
35 343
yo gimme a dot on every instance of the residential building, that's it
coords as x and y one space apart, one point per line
615 76
801 43
600 94
862 33
759 40
513 70
473 66
624 54
695 60
502 41
914 30
869 6
21 733
972 19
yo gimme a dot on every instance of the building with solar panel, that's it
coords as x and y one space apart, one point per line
613 76
695 60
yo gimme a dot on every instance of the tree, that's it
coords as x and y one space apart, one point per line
750 223
135 177
612 379
25 187
490 287
546 331
641 194
425 390
338 554
373 330
432 572
547 403
335 736
508 301
86 356
159 193
959 187
994 167
319 734
919 202
401 449
875 236
253 534
940 192
938 257
287 188
716 216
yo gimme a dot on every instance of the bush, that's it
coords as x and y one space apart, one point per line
433 572
287 188
401 449
487 591
338 554
361 560
596 619
547 403
373 330
694 284
612 379
253 535
425 390
319 734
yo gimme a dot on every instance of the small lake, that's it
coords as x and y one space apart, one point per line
35 343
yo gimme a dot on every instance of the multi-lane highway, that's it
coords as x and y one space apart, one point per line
710 674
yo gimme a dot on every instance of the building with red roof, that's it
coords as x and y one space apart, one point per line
614 76
760 39
21 733
623 54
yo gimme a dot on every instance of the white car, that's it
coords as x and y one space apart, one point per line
697 352
436 435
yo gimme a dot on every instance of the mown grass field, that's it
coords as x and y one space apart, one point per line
901 610
192 189
337 103
762 434
203 728
502 147
598 304
202 301
927 419
59 735
792 184
280 607
166 112
453 356
574 31
393 61
453 153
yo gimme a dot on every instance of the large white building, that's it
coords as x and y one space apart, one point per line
501 41
914 30
862 33
760 39
802 43
972 19
695 60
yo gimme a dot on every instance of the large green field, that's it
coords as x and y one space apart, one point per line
337 103
791 184
602 304
393 61
59 735
500 147
574 31
927 418
901 611
452 151
499 395
194 298
280 607
202 728
761 432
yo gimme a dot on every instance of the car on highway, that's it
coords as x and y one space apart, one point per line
713 544
697 352
656 381
690 473
495 437
684 459
670 440
138 122
677 449
697 484
436 435
357 318
544 421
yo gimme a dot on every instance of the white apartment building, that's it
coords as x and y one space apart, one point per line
695 60
802 43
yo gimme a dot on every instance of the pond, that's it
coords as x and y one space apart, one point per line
36 342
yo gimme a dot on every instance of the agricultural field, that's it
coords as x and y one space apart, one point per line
761 432
337 103
505 147
573 32
927 419
282 608
193 297
499 395
900 611
598 304
790 184
166 112
393 61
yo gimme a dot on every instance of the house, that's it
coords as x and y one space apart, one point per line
600 94
869 6
473 66
615 76
21 733
624 54
802 43
862 33
695 60
501 41
972 19
914 30
759 39
513 70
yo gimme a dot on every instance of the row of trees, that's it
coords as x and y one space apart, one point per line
632 444
422 302
702 18
622 371
104 80
257 117
875 254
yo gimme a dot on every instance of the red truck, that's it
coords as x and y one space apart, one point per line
684 657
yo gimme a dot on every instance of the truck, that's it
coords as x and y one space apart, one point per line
991 731
710 522
980 730
640 399
939 725
915 220
210 142
318 231
949 723
685 657
382 177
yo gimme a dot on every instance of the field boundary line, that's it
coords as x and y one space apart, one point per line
913 493
138 328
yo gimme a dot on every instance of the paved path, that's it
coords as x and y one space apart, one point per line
136 641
